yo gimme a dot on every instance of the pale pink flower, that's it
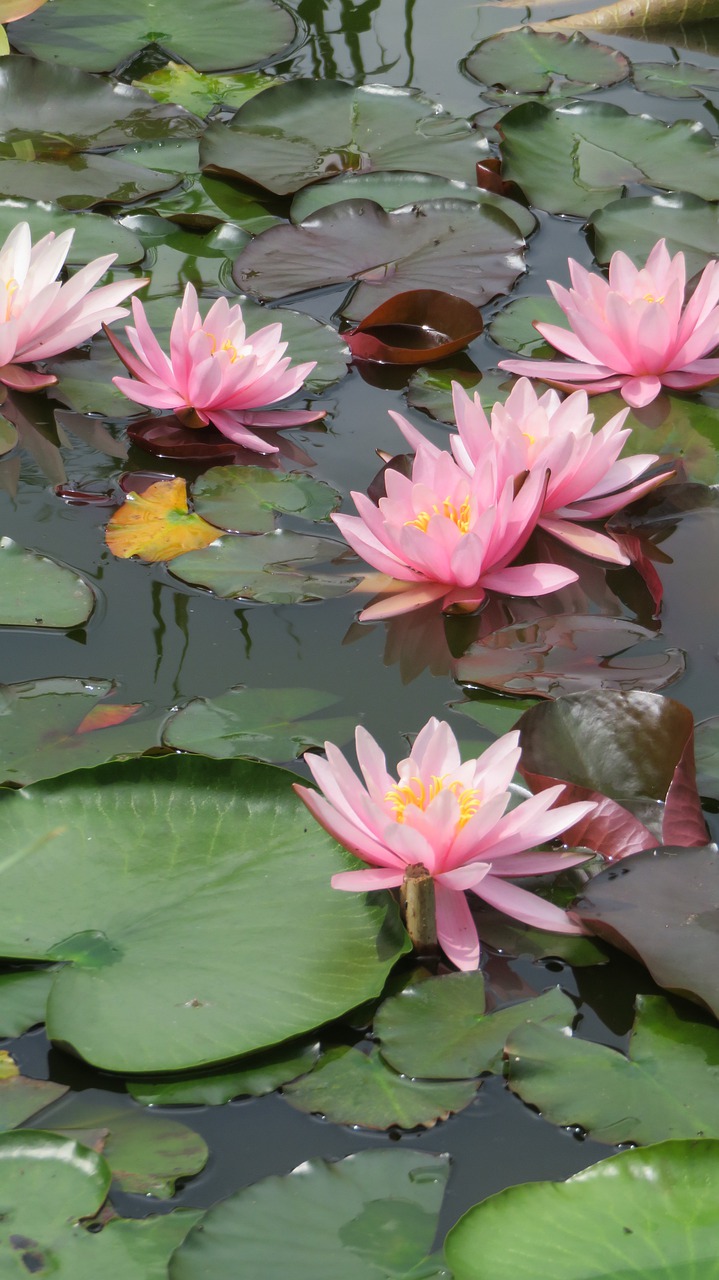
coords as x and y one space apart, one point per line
216 372
450 536
633 334
587 479
40 317
449 818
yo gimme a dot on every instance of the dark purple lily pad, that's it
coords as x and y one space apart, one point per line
474 250
662 906
416 327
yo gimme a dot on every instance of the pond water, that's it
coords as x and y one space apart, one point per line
165 642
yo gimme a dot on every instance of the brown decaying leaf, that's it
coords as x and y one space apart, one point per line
415 327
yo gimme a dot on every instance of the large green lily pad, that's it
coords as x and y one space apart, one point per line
23 997
36 591
576 158
372 1216
56 725
667 1087
49 1187
635 223
471 250
212 37
648 1213
272 568
202 874
528 61
257 724
439 1029
297 133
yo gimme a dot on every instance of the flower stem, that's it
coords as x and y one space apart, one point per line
417 901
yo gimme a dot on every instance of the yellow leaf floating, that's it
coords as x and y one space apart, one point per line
157 525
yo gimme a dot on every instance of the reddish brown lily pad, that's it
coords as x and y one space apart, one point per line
415 327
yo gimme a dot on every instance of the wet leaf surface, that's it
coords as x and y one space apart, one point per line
37 591
257 724
526 61
267 567
634 224
662 906
665 1088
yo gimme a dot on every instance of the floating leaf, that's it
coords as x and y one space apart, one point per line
296 133
635 223
576 158
351 1087
439 1029
244 499
650 1213
179 868
37 591
23 996
513 326
81 33
166 437
371 1216
417 326
629 15
255 1076
566 653
411 248
527 62
394 190
259 724
665 1088
21 1097
675 80
706 745
266 567
56 725
8 436
512 938
176 82
662 906
431 389
157 525
94 235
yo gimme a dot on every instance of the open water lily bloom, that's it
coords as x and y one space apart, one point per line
446 535
215 373
40 317
450 818
587 479
635 333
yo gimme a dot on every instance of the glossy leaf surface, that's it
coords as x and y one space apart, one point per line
257 724
634 224
254 1076
95 234
273 568
244 499
21 1097
526 61
420 325
23 996
36 591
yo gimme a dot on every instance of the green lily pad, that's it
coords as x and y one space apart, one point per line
682 430
23 997
36 591
202 874
79 181
528 61
676 79
371 1216
394 190
49 1187
494 713
665 1088
577 158
244 499
388 253
199 93
213 37
267 567
439 1030
147 1153
351 1087
297 133
706 750
59 724
513 326
649 1213
635 223
257 724
431 389
85 383
94 235
21 1097
8 436
261 1073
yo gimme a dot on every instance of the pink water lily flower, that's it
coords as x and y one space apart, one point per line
39 317
634 334
587 479
216 372
450 536
450 818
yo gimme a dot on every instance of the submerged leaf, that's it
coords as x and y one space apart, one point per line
157 524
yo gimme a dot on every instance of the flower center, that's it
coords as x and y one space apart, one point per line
414 792
11 289
227 346
649 297
461 517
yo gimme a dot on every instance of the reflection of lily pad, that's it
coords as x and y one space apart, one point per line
36 591
575 159
257 724
526 61
211 36
640 1213
268 567
199 93
471 250
201 874
296 133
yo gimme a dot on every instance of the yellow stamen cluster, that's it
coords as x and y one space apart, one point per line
414 792
462 517
11 289
649 297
